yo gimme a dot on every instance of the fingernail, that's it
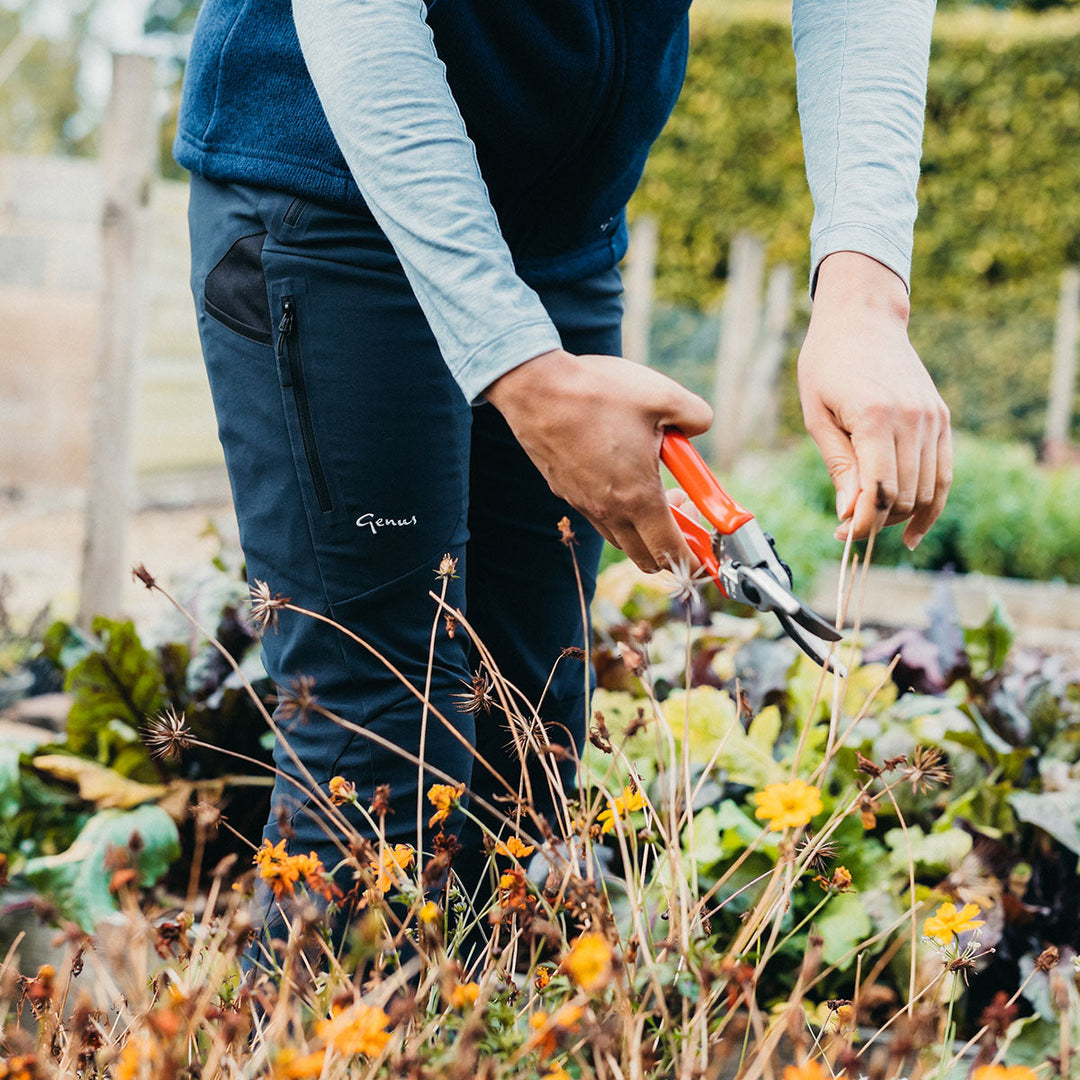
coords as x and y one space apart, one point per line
844 499
912 542
840 534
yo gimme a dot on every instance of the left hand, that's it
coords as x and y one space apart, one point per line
870 404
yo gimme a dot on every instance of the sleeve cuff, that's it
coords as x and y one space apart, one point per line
866 241
502 354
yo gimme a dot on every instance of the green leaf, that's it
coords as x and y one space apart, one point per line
936 853
120 680
10 789
77 881
843 924
988 645
1055 812
714 722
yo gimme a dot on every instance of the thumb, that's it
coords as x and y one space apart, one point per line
839 457
691 414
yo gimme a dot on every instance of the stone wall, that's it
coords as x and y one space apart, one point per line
50 276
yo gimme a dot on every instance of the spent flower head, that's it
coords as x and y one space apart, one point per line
265 606
167 735
342 791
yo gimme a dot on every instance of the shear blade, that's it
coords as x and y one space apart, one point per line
814 647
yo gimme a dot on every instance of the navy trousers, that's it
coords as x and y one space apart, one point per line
355 465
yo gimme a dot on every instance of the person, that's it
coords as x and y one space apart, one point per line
406 223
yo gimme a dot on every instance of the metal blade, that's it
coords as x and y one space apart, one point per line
814 647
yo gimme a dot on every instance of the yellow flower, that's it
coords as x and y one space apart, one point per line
589 962
630 800
137 1050
543 977
444 798
356 1030
292 1065
515 847
947 922
788 805
391 865
342 790
463 995
1003 1072
429 912
809 1070
556 1072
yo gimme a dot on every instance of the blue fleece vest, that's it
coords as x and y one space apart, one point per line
563 99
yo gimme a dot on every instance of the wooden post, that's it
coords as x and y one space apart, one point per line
760 401
640 273
739 330
127 153
1059 409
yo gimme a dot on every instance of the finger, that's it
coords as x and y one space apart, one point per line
920 524
658 531
836 450
876 458
909 454
677 497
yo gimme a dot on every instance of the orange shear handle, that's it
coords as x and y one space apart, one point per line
696 479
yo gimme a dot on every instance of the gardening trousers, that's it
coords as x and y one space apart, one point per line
356 465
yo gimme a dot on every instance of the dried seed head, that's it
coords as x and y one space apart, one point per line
685 589
479 698
140 573
265 606
927 770
167 735
447 567
298 700
566 534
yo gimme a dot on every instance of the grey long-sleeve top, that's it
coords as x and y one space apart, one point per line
861 67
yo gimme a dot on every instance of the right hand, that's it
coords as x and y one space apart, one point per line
593 426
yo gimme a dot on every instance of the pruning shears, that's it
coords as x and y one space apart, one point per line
740 556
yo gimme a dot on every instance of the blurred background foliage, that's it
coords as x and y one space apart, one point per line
999 217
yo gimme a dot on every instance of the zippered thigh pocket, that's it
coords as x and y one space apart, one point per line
290 364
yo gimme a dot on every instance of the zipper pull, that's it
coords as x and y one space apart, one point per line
285 327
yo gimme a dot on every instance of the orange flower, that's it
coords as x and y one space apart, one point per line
514 890
589 962
547 1030
358 1029
788 805
515 848
342 790
138 1051
429 912
314 874
543 977
1003 1072
444 798
276 868
556 1072
809 1070
291 1065
630 800
390 866
464 995
947 922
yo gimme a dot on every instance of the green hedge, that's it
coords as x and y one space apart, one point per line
999 219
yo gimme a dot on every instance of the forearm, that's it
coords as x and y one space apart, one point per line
862 68
385 95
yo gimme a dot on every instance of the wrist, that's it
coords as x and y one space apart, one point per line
847 278
528 379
